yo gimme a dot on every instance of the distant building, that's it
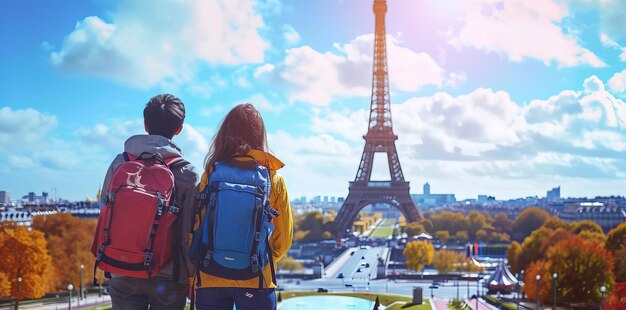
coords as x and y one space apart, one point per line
482 198
340 199
554 195
5 198
428 199
608 217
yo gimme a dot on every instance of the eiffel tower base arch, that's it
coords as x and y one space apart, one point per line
396 195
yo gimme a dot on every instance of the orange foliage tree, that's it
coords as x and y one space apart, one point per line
24 255
617 300
616 243
5 285
528 221
582 267
69 243
535 268
418 254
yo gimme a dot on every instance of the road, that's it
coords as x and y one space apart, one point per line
361 265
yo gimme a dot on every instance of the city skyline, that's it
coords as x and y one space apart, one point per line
508 99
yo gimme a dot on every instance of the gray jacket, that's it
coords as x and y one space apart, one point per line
185 179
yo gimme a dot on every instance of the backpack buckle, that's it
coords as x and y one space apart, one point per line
173 209
147 261
255 263
207 258
257 236
110 198
105 232
100 251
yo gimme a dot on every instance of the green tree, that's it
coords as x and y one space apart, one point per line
528 221
418 254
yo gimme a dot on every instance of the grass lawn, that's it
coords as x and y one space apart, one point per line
385 299
381 232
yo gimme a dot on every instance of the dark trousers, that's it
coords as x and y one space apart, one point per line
156 294
223 298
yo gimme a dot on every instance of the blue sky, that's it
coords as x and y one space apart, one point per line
507 98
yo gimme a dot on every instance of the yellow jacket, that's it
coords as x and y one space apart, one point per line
281 238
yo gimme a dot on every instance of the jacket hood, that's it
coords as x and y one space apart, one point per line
152 144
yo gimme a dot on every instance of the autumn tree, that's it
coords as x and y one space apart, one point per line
528 221
24 255
442 235
616 238
445 260
450 221
428 225
587 225
512 254
418 254
312 226
502 223
475 222
582 268
620 266
617 299
538 267
5 286
414 229
289 263
69 241
461 236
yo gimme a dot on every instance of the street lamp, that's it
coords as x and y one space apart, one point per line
554 277
19 285
602 290
82 268
522 279
538 277
70 287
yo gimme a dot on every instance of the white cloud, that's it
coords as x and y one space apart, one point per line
316 164
24 126
617 82
315 77
290 35
486 137
147 45
523 29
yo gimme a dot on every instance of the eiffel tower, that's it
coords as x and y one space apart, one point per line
379 139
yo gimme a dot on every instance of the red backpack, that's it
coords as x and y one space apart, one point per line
136 232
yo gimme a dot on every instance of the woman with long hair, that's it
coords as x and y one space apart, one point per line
242 138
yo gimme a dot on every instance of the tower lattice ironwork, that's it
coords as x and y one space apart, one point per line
379 139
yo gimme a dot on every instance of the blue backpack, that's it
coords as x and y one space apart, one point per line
232 241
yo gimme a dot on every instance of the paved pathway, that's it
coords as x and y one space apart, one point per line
482 304
439 304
